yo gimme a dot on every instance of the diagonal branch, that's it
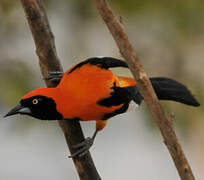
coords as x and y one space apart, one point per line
164 123
49 62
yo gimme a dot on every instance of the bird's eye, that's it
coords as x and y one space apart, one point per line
35 101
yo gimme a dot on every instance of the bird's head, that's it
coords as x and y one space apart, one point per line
39 103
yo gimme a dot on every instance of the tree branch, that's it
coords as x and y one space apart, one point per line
164 123
49 62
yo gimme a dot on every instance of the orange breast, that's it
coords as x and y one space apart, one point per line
82 89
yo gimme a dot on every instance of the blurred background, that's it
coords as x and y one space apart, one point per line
168 38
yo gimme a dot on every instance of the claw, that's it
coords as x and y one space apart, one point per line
84 147
87 142
83 153
54 76
80 151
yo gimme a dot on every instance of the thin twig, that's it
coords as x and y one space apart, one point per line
49 62
145 87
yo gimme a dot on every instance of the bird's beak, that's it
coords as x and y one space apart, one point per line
19 109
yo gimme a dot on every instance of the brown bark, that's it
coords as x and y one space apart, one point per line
164 123
49 62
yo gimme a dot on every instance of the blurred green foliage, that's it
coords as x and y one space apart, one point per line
185 14
7 5
15 80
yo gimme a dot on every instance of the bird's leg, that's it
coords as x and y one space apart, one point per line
84 146
55 77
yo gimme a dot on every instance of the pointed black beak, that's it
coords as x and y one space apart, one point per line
19 109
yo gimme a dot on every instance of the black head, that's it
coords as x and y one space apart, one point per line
40 107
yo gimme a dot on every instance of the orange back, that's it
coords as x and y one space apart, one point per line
83 88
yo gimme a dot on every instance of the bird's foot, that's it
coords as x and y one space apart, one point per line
82 147
54 77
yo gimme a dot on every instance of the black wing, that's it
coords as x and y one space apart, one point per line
165 89
121 96
102 62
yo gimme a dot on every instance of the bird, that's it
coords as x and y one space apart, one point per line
90 91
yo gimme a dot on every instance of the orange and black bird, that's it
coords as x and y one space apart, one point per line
90 91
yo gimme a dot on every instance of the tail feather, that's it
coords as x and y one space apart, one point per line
165 89
169 89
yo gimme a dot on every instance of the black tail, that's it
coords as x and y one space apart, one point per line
169 89
166 89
